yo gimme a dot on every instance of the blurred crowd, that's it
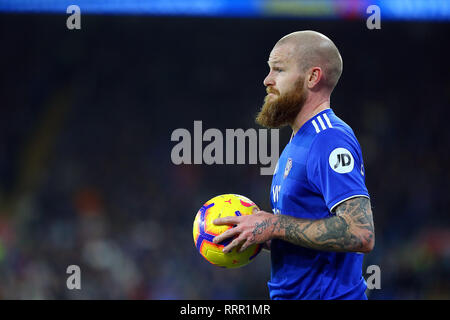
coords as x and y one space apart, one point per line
85 171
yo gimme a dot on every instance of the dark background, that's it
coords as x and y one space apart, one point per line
86 177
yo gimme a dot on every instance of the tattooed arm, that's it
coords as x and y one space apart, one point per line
350 229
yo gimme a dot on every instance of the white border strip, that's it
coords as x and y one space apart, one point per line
355 196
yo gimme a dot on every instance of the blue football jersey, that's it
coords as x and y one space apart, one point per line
319 168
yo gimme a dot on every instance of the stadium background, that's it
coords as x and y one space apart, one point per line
86 118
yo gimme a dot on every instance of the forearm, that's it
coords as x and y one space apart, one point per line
330 234
351 229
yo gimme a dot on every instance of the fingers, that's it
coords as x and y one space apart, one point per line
227 234
235 243
226 220
240 242
245 245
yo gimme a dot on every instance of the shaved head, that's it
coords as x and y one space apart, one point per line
313 49
305 66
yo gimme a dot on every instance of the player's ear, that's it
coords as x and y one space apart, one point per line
314 76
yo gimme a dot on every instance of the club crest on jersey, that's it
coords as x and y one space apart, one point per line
288 168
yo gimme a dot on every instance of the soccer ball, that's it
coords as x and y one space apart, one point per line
204 230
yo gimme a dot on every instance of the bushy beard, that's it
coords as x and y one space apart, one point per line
283 110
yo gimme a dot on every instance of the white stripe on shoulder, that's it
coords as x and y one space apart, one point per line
321 123
327 120
315 126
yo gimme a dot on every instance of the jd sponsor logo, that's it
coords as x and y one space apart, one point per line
341 160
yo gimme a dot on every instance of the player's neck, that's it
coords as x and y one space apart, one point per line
308 111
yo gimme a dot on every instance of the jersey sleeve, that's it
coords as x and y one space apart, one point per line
335 167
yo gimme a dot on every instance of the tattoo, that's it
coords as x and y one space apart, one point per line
260 228
351 229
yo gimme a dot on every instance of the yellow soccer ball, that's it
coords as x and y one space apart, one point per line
204 230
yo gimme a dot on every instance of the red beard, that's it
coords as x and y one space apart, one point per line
283 110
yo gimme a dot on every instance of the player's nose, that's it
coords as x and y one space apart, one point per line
269 80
